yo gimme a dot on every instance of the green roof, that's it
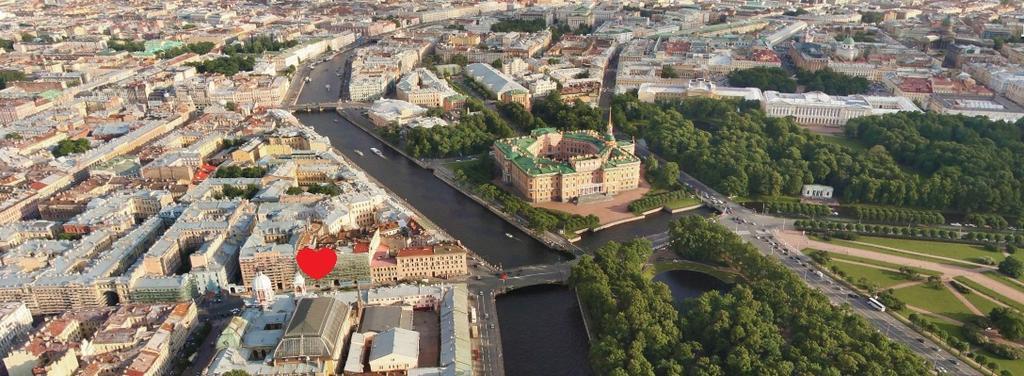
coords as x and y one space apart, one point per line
516 150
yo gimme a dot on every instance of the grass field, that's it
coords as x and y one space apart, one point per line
979 302
474 170
992 294
1005 280
882 278
937 300
871 248
966 252
840 256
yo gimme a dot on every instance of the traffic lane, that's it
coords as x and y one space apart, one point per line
895 329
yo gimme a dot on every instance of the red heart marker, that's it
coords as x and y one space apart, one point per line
316 263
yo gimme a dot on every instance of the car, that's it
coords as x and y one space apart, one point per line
852 295
954 224
954 361
920 340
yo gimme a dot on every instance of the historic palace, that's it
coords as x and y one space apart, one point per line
549 165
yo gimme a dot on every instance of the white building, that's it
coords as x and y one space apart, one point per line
816 191
422 88
15 324
820 109
993 108
395 349
385 112
652 92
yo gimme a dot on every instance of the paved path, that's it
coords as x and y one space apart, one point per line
800 241
904 284
970 306
922 254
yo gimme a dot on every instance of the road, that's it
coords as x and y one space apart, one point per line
218 314
757 229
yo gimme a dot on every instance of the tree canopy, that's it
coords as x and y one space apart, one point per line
227 66
832 82
527 26
69 146
764 78
922 160
770 323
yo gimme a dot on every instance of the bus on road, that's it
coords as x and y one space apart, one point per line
874 303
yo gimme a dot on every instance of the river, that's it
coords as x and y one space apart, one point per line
542 330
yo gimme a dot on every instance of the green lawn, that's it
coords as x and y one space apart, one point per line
1005 280
840 256
868 247
992 294
937 300
474 170
966 252
882 278
979 302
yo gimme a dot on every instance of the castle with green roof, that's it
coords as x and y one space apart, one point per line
551 165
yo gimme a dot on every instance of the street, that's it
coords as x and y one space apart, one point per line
757 229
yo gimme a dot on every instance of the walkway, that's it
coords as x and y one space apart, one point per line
970 306
800 241
922 254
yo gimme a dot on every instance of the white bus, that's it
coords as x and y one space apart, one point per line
874 303
472 315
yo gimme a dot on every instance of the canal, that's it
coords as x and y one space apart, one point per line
543 331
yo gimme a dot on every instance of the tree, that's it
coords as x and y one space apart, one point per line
668 71
1009 322
10 75
934 282
831 82
69 146
764 78
236 372
459 59
497 64
294 191
12 136
1011 266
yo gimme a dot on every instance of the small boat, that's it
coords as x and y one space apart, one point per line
327 87
360 152
377 151
335 120
509 236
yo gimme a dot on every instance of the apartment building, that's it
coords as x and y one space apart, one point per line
419 262
820 109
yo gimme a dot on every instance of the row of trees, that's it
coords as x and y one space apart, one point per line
656 201
897 215
987 220
329 189
240 172
771 322
538 219
906 231
789 207
519 116
126 45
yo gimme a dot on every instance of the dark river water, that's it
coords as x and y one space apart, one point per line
542 330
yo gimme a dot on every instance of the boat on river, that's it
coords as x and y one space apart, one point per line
360 152
377 151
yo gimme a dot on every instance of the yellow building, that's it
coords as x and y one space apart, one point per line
549 165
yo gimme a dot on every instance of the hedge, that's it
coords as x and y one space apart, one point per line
656 201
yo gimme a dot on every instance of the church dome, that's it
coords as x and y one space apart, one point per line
262 282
